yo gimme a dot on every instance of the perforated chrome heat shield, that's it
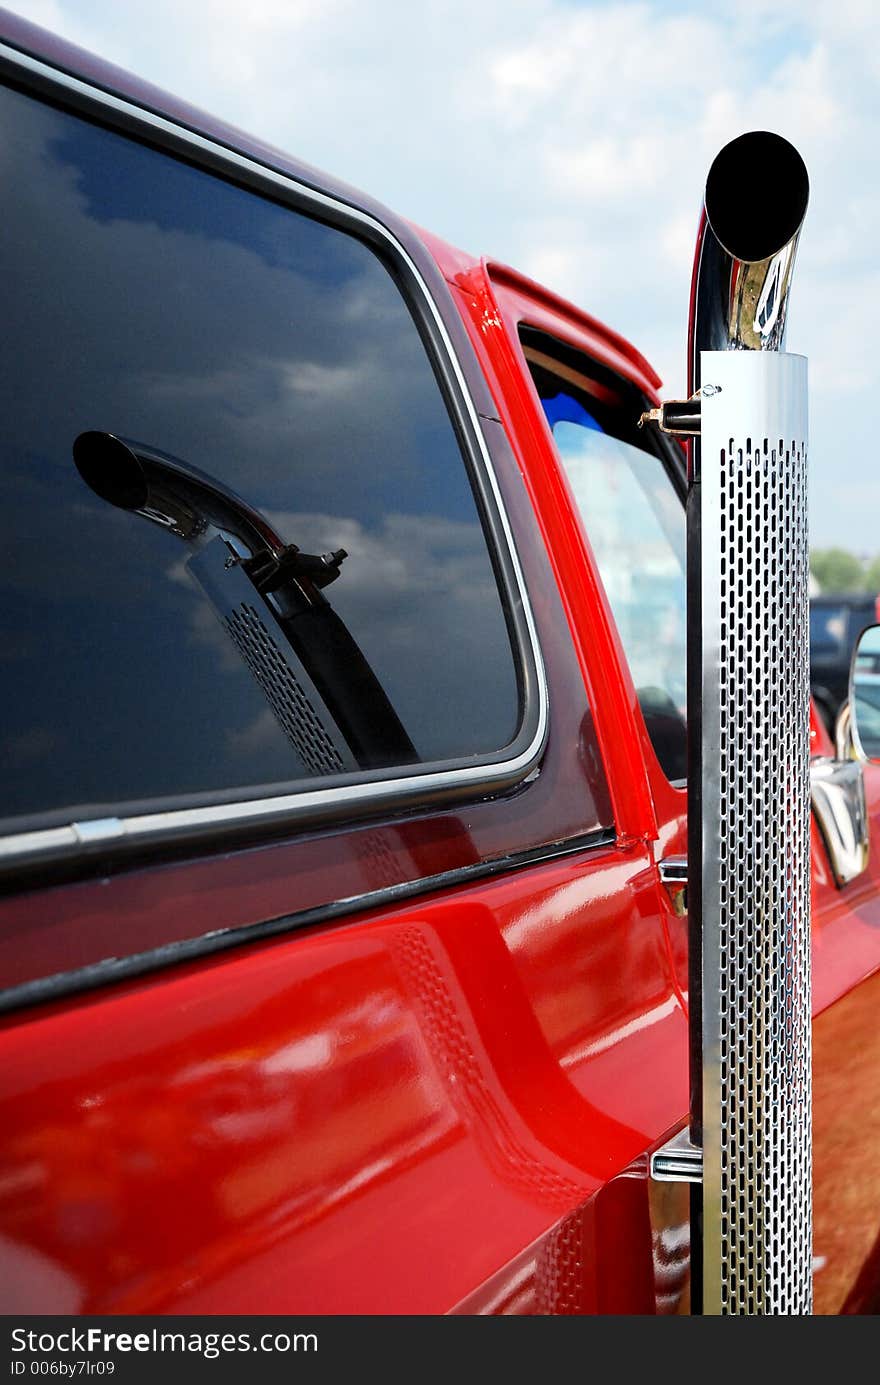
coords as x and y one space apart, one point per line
754 876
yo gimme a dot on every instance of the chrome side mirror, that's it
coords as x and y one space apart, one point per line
864 695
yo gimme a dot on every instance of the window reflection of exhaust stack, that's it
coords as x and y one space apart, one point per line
268 598
749 740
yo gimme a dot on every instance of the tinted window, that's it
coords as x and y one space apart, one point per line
636 525
162 635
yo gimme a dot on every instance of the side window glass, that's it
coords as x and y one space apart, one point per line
242 550
636 525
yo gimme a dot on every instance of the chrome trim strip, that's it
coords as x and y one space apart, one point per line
65 841
114 969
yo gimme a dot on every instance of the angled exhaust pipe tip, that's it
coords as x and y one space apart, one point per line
757 226
755 202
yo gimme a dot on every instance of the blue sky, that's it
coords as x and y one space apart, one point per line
572 140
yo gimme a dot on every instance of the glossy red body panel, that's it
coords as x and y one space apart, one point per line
444 1105
846 1079
360 1118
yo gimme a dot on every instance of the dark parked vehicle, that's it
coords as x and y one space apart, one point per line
836 621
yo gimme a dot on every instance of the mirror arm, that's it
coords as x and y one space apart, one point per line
844 745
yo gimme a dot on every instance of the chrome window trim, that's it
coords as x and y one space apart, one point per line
491 773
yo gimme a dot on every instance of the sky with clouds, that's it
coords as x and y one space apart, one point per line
572 140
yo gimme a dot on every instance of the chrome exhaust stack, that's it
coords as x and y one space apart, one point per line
749 837
748 743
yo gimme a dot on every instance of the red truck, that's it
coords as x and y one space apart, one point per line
344 967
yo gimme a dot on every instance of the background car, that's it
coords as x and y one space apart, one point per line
836 621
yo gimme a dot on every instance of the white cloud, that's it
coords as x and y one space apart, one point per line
48 13
571 140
